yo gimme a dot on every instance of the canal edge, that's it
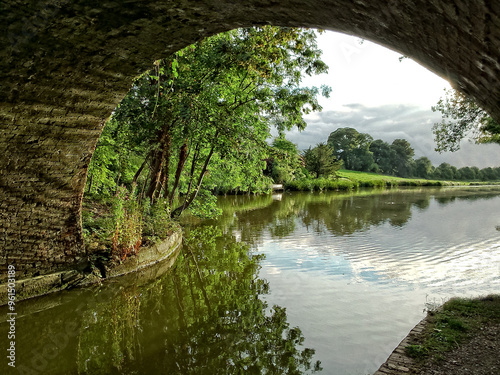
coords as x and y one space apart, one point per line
50 283
398 362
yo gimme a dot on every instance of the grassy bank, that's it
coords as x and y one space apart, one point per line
350 180
319 184
452 324
365 179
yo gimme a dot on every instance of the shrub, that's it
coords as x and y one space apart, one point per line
127 215
157 221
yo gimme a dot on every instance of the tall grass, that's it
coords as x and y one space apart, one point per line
320 184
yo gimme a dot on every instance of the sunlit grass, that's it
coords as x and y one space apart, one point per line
365 179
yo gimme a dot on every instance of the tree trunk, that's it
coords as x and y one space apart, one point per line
158 161
187 201
180 166
141 168
155 174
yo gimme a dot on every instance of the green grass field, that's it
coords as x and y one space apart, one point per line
352 180
365 179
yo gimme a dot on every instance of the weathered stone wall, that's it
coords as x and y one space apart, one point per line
65 64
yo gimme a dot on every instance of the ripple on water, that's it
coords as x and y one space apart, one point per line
357 295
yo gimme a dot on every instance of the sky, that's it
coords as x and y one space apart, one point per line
375 93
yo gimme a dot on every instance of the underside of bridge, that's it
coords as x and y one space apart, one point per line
66 64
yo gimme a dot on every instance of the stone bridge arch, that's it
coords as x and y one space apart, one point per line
66 64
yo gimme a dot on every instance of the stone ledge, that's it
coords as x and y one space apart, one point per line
45 284
398 362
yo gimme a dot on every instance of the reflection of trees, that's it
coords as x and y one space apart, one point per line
346 216
205 317
470 194
338 213
278 218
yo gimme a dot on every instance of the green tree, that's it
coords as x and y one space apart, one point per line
423 167
403 164
216 100
383 156
353 148
321 161
489 174
444 172
461 118
285 162
467 174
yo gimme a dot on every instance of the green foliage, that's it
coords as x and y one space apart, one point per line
417 351
203 115
97 223
127 215
423 167
238 173
461 118
206 206
383 156
403 161
359 152
284 165
103 169
353 148
349 180
320 184
157 224
364 179
121 224
320 161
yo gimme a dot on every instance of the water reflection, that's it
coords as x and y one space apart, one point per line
336 213
373 235
204 317
352 270
355 271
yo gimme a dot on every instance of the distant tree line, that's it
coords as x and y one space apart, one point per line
352 150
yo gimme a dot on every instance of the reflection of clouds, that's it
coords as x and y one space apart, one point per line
273 270
356 296
467 270
441 248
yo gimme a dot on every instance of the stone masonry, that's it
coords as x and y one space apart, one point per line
398 362
66 64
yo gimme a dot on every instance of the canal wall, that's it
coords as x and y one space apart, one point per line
54 282
398 362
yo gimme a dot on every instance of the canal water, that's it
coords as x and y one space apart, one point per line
283 284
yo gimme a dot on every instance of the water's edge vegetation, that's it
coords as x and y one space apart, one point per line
116 227
451 325
351 180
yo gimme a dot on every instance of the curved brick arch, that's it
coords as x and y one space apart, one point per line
65 64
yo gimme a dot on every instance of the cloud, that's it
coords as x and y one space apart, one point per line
389 122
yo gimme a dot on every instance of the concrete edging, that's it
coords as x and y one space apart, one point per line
398 362
54 282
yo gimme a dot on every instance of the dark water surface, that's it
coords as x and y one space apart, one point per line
346 275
